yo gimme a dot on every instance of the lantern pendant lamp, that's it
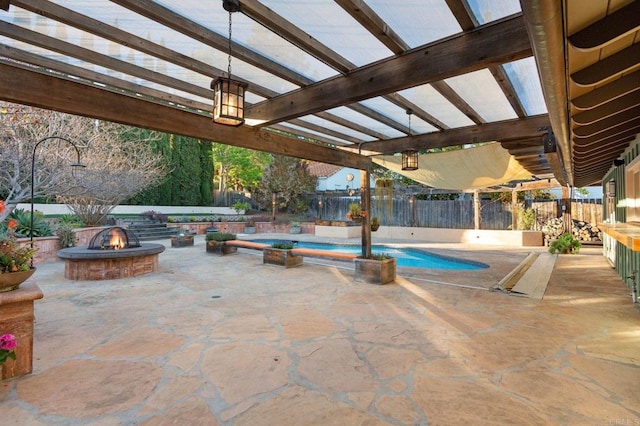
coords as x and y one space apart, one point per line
409 156
228 99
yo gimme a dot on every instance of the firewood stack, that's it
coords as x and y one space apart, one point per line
583 231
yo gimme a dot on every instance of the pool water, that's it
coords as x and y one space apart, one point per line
414 258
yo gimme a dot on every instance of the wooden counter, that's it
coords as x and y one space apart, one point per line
625 233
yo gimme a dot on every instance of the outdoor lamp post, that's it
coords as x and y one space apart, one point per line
274 194
75 165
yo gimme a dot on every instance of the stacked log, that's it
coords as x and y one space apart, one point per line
581 230
586 231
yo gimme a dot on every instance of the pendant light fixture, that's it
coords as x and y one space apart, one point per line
409 156
228 100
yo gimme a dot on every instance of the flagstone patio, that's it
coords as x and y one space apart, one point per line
227 340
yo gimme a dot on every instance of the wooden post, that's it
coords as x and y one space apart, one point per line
514 209
566 209
273 206
365 197
476 209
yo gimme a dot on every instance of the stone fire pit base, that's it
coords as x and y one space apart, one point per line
80 263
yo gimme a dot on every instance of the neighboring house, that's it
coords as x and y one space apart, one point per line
335 178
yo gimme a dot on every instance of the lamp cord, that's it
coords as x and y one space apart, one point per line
229 66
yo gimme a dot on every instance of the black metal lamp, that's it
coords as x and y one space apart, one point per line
409 156
410 159
228 99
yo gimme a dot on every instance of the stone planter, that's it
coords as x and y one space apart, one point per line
12 280
219 247
374 271
280 257
16 317
182 241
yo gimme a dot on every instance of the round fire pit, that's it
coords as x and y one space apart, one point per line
82 263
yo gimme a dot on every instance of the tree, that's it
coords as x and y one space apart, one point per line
290 178
238 168
119 160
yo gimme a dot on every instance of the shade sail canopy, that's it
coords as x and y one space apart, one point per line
473 168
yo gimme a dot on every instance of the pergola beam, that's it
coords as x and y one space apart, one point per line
518 128
492 44
45 91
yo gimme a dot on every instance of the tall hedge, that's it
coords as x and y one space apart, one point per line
191 178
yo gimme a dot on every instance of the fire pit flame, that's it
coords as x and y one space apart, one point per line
115 238
117 242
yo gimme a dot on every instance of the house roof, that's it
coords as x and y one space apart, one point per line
323 170
333 81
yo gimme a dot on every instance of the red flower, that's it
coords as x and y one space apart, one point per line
12 224
1 206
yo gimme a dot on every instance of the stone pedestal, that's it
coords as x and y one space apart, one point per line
16 317
375 271
280 257
182 241
219 247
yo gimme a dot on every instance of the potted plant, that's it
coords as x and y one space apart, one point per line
375 223
565 244
354 213
250 226
15 260
380 268
215 243
280 254
295 228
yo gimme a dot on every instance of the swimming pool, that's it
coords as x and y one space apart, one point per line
414 258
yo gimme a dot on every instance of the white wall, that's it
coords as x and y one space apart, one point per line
338 181
57 209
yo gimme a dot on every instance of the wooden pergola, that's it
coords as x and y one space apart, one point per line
557 83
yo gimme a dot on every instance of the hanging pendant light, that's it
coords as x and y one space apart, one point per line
228 99
409 156
410 159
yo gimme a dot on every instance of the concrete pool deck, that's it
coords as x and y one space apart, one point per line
226 340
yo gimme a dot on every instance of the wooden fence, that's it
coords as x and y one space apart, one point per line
455 214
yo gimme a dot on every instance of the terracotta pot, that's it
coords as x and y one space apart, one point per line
12 280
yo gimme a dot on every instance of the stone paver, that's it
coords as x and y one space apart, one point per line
210 340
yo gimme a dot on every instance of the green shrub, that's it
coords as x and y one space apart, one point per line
241 206
71 221
220 236
283 244
67 236
565 244
526 219
40 227
381 256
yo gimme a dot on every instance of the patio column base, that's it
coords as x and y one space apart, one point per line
16 317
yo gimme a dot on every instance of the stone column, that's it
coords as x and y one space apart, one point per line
16 317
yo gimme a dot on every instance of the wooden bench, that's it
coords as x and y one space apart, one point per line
323 253
247 244
327 254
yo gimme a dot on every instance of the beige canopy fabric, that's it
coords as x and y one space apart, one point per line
477 167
